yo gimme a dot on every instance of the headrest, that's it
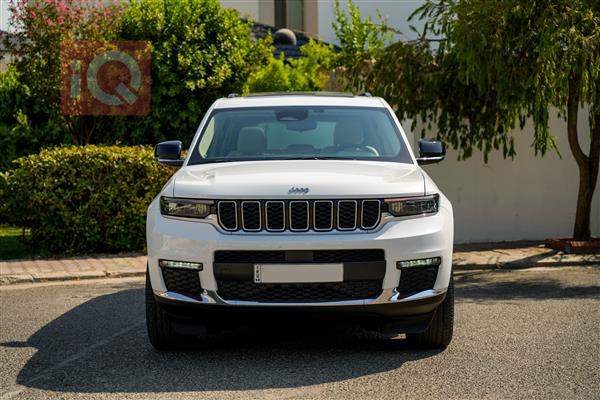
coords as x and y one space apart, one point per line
251 140
348 132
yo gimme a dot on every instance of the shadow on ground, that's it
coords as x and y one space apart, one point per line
102 346
513 284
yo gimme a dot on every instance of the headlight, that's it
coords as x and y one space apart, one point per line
413 205
188 208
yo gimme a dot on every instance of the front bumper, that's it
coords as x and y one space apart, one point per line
193 317
400 239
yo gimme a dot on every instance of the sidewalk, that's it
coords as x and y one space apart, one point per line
466 257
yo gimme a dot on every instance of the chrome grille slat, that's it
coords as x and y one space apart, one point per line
270 209
299 215
251 222
228 215
370 211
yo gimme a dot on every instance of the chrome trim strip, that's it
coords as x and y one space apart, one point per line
387 296
259 216
362 214
178 297
267 216
417 296
355 215
315 214
219 215
307 215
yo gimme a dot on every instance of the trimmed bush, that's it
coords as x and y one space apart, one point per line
77 200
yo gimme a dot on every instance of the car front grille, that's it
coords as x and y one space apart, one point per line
414 280
298 215
299 292
183 281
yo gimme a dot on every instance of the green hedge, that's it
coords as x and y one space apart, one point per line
77 200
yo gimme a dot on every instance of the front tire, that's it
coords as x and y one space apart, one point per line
440 329
160 330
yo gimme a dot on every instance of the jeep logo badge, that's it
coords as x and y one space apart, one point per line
297 190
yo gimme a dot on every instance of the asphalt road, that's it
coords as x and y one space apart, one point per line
519 334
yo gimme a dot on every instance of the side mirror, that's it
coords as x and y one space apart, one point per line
431 152
169 153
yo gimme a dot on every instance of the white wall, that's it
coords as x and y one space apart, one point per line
528 198
4 15
247 8
396 11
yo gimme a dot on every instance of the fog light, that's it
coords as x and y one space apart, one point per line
423 262
180 264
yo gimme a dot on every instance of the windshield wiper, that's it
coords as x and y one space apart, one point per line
223 160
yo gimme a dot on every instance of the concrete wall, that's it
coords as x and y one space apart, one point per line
4 18
247 8
529 197
396 13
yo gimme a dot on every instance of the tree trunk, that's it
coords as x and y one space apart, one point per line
588 165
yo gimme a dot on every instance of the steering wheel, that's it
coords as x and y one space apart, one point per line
366 149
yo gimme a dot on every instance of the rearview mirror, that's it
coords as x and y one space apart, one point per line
431 151
169 153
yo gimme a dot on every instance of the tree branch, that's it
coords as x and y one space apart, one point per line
594 156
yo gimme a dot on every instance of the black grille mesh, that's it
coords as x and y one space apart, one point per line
370 214
417 279
323 215
275 216
318 256
228 215
184 281
347 214
299 292
251 215
299 216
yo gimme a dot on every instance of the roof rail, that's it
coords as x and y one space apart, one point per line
319 93
366 94
232 95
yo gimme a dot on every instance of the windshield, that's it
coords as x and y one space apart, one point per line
275 133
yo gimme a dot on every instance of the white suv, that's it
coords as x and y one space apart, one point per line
300 205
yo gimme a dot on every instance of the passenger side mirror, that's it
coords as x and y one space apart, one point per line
169 153
431 151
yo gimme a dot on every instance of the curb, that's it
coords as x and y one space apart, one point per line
61 277
514 265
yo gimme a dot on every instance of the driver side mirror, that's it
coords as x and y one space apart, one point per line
431 152
169 153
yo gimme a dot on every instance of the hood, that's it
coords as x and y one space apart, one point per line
274 179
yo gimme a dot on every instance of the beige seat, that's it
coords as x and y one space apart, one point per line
251 141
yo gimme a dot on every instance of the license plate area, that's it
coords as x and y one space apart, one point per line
298 273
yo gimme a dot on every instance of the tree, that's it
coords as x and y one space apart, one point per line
305 74
481 67
200 52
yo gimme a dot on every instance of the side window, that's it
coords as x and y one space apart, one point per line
207 138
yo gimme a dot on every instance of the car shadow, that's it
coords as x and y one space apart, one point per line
513 285
101 346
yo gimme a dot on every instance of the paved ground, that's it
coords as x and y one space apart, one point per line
466 257
531 333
